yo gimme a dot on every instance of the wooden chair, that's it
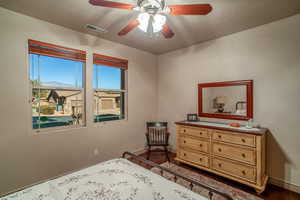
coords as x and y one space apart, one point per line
157 135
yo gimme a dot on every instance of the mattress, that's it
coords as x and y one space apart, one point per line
117 179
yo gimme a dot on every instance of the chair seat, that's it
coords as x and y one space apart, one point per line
158 145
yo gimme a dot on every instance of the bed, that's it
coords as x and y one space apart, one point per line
117 179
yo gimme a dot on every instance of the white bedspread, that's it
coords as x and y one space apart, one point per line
117 179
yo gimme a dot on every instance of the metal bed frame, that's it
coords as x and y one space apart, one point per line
192 181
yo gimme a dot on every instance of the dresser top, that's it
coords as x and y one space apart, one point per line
226 127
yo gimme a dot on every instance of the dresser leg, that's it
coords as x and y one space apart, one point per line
265 182
259 191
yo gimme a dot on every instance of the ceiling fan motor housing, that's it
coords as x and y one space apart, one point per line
151 6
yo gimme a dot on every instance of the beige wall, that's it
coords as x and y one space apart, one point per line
270 55
26 158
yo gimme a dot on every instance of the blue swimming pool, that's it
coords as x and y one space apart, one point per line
49 122
106 117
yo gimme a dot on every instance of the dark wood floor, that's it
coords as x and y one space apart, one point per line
272 192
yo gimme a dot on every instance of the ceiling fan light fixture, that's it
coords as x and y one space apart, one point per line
158 22
152 18
143 18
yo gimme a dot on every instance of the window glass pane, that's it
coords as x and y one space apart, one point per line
56 101
108 106
56 72
52 108
109 78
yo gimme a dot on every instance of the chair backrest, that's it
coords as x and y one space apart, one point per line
157 124
157 133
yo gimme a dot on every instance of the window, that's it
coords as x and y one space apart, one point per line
57 84
109 85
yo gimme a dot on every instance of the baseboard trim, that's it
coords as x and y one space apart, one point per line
172 150
285 185
139 151
144 150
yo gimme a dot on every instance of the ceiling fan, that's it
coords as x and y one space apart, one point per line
152 18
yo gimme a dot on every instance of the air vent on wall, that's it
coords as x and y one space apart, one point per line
95 28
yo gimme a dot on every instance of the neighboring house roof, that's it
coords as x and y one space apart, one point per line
60 100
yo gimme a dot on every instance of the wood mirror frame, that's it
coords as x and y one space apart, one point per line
249 97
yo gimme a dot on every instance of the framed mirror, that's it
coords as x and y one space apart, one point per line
226 100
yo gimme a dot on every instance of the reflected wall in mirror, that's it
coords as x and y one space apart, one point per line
225 100
228 100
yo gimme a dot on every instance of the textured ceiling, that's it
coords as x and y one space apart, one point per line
228 16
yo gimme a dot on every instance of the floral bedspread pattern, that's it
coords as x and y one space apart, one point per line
117 179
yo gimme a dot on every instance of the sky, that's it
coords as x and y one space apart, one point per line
69 73
107 77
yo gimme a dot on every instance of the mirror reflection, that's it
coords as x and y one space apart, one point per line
229 100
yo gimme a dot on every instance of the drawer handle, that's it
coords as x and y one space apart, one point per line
244 173
243 140
220 136
200 145
184 154
220 165
200 133
219 149
200 159
184 141
243 155
184 130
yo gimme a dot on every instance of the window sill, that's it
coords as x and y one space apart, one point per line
108 123
64 129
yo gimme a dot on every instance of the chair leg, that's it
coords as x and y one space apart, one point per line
167 153
148 152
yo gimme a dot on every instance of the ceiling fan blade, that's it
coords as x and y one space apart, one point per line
111 4
167 31
129 28
194 9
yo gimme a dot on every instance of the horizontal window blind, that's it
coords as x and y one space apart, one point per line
46 49
110 61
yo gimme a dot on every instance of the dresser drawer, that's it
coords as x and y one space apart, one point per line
196 144
244 172
235 153
196 158
238 138
195 132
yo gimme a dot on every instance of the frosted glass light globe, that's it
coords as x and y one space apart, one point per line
143 18
158 22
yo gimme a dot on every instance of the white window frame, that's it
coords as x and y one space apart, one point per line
57 128
125 91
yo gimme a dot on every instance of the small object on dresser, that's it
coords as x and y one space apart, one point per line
249 124
192 117
235 125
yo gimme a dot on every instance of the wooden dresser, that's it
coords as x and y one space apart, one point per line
234 153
